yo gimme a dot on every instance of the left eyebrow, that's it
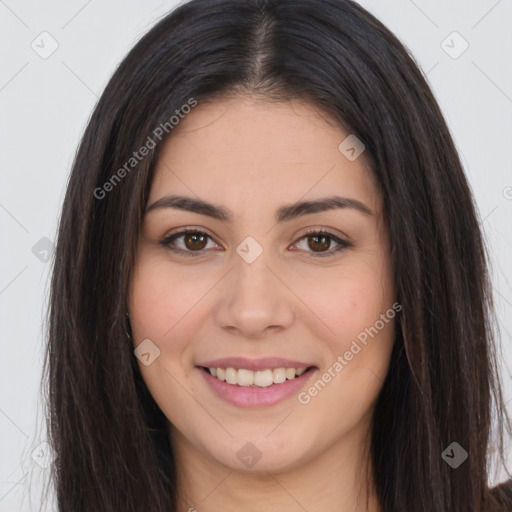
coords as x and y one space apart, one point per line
283 214
295 210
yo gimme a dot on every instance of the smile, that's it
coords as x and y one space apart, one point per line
264 382
259 378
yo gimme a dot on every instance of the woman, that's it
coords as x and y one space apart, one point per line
270 287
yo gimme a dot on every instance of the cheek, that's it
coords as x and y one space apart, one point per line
168 306
349 302
159 303
161 298
355 306
360 315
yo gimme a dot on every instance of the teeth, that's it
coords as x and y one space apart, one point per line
263 378
279 375
260 378
245 378
231 376
290 373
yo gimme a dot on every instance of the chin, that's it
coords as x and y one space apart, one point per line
259 454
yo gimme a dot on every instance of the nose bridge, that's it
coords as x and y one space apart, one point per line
255 300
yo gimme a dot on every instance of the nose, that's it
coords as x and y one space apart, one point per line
255 302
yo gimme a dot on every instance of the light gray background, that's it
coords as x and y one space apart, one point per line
45 105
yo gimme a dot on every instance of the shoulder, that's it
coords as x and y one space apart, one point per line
502 495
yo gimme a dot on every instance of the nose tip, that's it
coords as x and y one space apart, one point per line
256 303
253 328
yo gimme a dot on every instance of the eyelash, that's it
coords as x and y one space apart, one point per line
342 244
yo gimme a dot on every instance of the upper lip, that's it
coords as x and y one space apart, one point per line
254 364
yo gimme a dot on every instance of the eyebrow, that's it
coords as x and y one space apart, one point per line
284 213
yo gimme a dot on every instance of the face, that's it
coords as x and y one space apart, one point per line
275 276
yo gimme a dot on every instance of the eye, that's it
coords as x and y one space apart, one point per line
192 242
319 243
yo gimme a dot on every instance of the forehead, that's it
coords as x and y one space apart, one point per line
253 152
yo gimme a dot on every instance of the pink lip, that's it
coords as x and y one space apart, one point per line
242 396
254 364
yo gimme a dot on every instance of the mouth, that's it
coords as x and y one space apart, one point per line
244 377
247 383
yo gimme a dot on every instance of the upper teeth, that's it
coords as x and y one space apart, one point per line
261 378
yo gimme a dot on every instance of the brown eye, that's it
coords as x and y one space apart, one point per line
319 243
195 241
189 242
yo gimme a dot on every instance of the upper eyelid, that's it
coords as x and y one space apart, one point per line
186 231
317 229
313 231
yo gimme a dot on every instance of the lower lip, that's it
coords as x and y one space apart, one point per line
245 396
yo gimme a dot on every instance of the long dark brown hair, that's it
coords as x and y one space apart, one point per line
110 437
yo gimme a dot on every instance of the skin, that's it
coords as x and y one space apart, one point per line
252 156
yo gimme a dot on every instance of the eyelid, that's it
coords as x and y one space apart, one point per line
189 229
178 233
342 243
319 230
335 233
